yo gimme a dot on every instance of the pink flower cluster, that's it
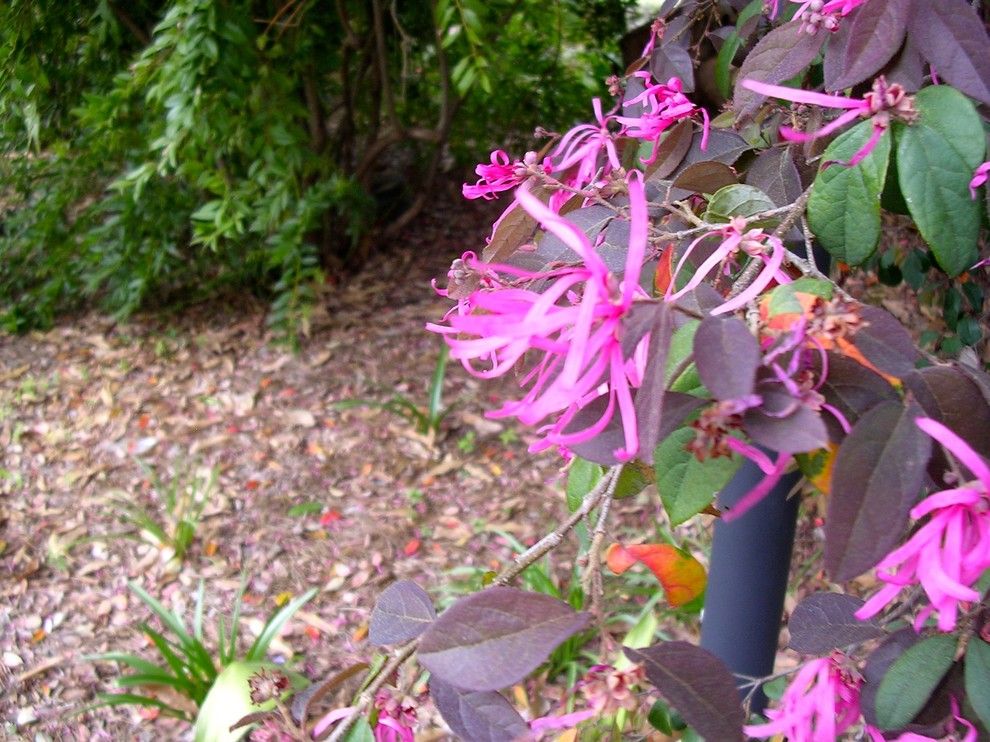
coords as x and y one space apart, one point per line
882 104
817 14
951 551
821 702
569 333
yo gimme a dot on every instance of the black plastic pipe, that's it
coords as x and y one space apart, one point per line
747 578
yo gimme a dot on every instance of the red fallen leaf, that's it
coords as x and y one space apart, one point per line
681 575
665 271
252 484
312 632
330 516
149 713
143 422
232 429
411 547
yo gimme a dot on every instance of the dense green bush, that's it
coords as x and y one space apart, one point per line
153 151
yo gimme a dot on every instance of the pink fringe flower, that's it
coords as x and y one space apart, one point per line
815 14
571 329
663 106
821 702
950 552
582 147
980 176
876 735
502 174
882 104
735 239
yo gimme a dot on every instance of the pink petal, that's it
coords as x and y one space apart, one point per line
801 96
958 447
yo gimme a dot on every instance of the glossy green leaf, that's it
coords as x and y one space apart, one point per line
936 157
910 681
737 200
844 206
687 486
977 665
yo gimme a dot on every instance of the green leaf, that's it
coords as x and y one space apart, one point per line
978 677
632 480
582 476
305 508
737 200
844 206
783 301
936 157
360 732
682 345
912 678
275 624
687 486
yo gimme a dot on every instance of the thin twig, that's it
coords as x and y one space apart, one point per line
553 539
592 577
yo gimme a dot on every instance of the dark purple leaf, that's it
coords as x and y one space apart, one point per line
800 431
727 356
865 42
826 621
723 146
637 322
513 229
705 177
949 396
877 477
677 407
650 395
484 716
852 389
775 173
495 638
551 250
907 68
702 300
402 612
697 684
885 343
951 36
600 449
980 378
673 60
779 56
672 148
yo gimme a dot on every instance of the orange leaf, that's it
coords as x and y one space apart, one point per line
681 575
330 516
665 271
411 547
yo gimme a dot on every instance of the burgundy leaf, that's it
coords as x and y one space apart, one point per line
638 321
980 378
484 716
673 60
671 150
907 68
727 356
885 343
779 56
775 173
949 396
853 389
551 250
697 684
799 431
723 146
877 477
951 36
705 177
402 612
600 449
865 42
826 621
650 395
677 407
495 638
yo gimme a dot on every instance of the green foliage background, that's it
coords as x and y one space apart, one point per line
153 152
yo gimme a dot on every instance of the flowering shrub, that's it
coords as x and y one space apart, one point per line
653 285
